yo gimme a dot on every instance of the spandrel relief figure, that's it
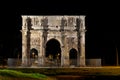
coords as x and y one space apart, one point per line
28 23
70 21
36 21
44 21
63 22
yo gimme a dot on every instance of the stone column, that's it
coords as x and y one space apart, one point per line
62 56
62 49
66 53
67 50
24 48
40 55
26 26
82 41
43 49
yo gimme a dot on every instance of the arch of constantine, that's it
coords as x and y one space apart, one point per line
53 41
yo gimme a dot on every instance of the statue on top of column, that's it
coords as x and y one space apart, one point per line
44 21
70 21
28 23
63 22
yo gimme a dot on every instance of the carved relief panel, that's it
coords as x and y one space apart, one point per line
35 39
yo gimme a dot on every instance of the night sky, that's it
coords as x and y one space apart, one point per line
102 25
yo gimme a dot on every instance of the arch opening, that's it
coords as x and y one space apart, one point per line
33 53
53 51
73 56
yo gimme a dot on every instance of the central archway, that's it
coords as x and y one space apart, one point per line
53 51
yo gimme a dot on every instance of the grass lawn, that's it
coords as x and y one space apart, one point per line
6 74
83 71
37 73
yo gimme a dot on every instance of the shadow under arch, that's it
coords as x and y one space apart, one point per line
53 52
33 53
73 56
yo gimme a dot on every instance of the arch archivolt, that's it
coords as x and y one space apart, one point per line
53 36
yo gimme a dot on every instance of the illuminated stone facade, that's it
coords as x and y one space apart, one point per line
69 31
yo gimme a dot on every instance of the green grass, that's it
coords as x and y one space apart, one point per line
50 73
101 71
18 74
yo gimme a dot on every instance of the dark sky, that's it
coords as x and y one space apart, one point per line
102 24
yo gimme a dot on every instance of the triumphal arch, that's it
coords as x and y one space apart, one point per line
53 40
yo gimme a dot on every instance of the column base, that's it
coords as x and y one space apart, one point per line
41 62
82 61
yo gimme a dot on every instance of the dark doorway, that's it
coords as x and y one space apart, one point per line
34 56
73 57
53 50
33 53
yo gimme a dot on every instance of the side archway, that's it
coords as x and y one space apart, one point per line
73 56
33 53
34 56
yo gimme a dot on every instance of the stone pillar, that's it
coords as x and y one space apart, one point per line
67 50
62 56
26 26
41 54
43 50
66 53
24 48
82 41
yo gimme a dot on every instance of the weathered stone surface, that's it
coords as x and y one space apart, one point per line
69 31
